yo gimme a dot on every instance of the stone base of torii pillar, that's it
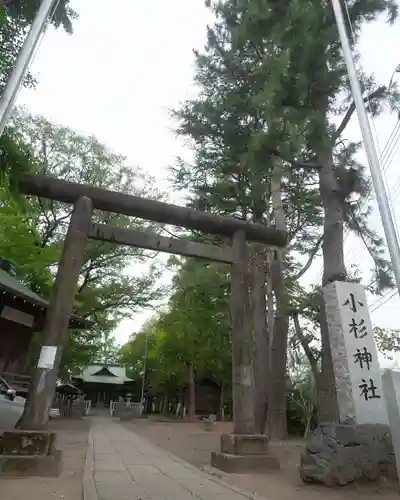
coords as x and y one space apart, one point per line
241 453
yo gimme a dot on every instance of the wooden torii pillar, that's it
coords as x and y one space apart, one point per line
241 448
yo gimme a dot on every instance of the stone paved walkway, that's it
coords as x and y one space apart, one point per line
123 466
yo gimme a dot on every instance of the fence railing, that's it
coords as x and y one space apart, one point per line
88 405
135 408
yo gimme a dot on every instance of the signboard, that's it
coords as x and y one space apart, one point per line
47 357
355 358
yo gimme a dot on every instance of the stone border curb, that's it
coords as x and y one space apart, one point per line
88 486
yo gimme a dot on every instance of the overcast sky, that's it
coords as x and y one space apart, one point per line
126 66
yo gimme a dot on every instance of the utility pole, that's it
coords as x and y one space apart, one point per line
24 59
376 174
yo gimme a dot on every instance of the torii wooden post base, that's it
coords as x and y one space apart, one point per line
241 453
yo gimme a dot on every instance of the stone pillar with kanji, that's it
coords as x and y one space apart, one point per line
355 358
359 445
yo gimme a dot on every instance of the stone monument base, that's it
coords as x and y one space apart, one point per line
14 466
241 453
29 453
338 454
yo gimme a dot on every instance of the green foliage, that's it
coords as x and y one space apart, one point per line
387 341
15 158
20 244
301 407
106 293
25 11
16 17
32 233
272 86
194 329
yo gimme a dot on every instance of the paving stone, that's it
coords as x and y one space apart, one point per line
176 470
141 473
126 467
110 477
107 491
109 465
203 487
134 459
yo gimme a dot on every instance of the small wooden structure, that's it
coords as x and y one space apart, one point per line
103 383
22 312
207 397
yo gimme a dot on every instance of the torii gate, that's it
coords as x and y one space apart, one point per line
87 198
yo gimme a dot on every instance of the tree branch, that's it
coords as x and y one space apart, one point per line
379 92
305 345
310 259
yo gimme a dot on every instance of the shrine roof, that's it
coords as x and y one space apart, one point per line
104 374
10 284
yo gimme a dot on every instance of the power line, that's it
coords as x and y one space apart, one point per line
393 139
386 160
375 306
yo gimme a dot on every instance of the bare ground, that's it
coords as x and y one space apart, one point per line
194 444
72 439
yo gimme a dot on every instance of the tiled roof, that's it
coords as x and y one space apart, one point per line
10 284
117 374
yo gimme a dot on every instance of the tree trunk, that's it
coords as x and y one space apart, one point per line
332 199
261 337
270 304
325 383
164 405
277 424
222 404
306 347
191 392
334 270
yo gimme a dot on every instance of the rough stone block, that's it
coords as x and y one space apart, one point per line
28 466
241 464
23 443
244 444
338 454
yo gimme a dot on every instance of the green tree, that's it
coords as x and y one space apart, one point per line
16 16
106 293
192 336
312 88
236 171
266 102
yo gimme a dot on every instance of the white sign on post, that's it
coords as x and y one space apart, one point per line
355 358
47 357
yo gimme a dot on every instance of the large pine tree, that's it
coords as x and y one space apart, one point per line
272 82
